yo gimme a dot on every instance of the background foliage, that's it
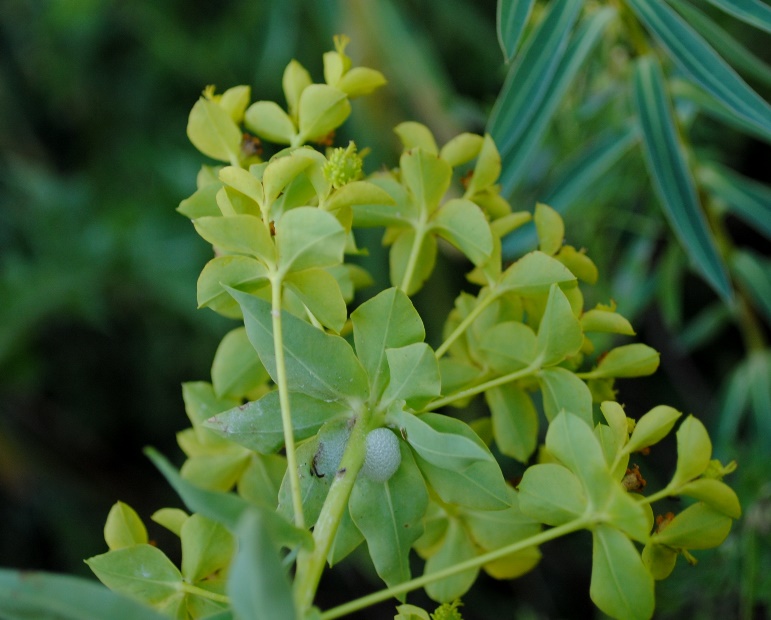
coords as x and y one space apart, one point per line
97 271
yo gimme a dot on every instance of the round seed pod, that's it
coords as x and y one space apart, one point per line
383 456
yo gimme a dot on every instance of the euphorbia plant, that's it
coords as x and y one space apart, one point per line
322 429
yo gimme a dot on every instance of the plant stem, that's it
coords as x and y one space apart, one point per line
212 596
480 560
310 564
412 262
464 325
482 387
286 414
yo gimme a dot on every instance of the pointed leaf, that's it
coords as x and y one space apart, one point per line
550 229
457 547
515 421
308 237
207 547
319 291
269 121
244 272
33 594
307 353
559 334
236 369
694 450
551 494
257 585
715 494
631 360
462 148
753 12
213 132
511 20
414 373
697 527
387 321
694 55
463 224
426 177
562 390
124 528
508 346
257 425
242 234
621 586
672 179
416 135
652 427
322 109
390 514
534 274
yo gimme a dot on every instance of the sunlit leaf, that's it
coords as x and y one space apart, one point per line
124 528
551 494
213 132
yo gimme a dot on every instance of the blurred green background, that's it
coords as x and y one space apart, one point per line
98 325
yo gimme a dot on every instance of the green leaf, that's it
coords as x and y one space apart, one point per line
244 272
386 321
260 481
531 74
550 493
390 514
318 364
243 182
414 373
559 334
257 585
462 148
322 109
519 156
236 369
463 224
511 19
697 527
448 450
358 193
142 572
426 177
361 81
617 421
124 528
715 494
479 486
416 136
456 547
171 518
673 182
745 198
213 132
32 594
550 229
257 424
207 547
562 390
534 274
572 441
597 320
487 169
515 421
754 272
508 346
652 427
226 508
281 171
308 237
242 234
659 560
694 450
727 46
269 121
630 360
319 291
621 586
202 203
696 58
234 100
754 12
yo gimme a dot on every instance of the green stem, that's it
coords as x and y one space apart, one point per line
412 262
483 387
310 564
465 323
212 596
480 560
286 415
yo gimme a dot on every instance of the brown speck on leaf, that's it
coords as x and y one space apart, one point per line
466 178
663 520
272 228
633 480
327 140
251 145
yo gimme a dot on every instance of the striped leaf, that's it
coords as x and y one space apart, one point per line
754 12
700 61
673 182
726 45
745 198
528 137
511 20
531 74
